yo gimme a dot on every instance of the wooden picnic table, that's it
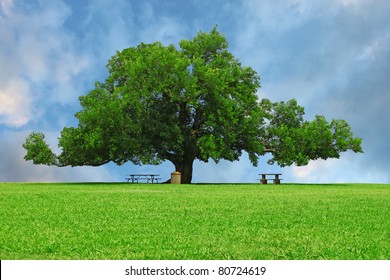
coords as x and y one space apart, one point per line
276 179
135 178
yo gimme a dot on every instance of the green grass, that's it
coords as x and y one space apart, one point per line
125 221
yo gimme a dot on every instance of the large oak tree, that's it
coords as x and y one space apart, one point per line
163 103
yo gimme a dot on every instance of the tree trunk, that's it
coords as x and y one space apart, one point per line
185 168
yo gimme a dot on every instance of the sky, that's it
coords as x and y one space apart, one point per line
333 56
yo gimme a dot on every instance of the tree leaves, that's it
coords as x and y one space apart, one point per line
196 102
292 140
38 150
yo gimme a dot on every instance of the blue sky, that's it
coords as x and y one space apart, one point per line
333 56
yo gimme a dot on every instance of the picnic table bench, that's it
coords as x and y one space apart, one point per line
135 178
275 178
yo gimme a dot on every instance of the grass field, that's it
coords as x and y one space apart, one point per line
125 221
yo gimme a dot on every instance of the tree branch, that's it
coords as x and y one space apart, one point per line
269 150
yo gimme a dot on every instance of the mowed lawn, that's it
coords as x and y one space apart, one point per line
144 221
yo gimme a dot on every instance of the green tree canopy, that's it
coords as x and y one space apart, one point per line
162 103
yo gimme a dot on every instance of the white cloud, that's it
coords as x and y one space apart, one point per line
108 27
126 24
274 15
39 61
15 103
375 47
355 3
347 169
159 28
315 171
6 6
